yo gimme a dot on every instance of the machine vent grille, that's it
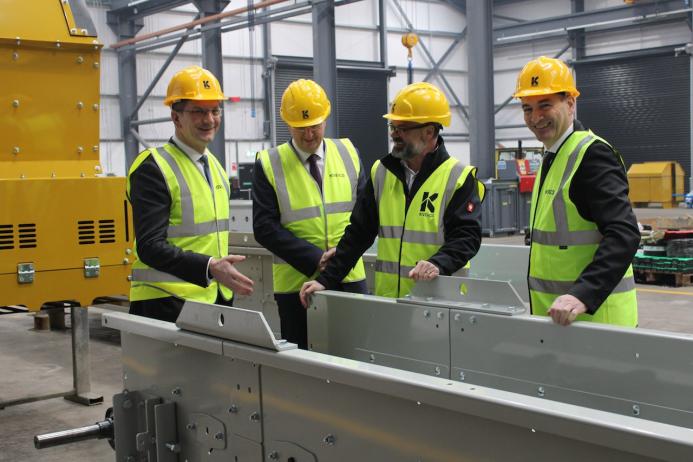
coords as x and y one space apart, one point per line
85 232
6 237
27 235
106 231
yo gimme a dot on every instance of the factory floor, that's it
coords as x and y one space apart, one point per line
34 362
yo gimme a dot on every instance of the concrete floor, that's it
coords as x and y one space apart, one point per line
39 363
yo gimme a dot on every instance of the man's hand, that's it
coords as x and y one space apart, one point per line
565 309
307 289
326 258
223 271
424 271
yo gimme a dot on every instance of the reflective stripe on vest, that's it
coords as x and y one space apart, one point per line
406 237
318 216
208 237
564 243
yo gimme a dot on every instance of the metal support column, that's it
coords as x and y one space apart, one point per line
325 58
269 126
127 82
212 60
577 36
81 368
481 127
382 29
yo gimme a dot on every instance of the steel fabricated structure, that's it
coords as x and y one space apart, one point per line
457 371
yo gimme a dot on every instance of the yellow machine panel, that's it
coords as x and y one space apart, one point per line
65 230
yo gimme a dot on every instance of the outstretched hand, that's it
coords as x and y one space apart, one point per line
225 273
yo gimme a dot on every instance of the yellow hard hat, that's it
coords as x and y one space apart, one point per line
420 102
545 76
304 104
193 83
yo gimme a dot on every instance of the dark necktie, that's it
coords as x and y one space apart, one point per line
205 168
315 170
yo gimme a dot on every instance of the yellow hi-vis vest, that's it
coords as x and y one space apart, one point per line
317 218
198 222
407 236
564 243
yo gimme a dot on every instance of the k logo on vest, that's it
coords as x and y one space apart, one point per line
427 202
535 81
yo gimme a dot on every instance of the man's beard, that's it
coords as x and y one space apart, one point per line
409 151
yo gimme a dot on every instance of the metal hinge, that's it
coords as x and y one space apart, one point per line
25 273
91 267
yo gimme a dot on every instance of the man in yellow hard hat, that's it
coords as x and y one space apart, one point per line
303 194
180 201
422 204
583 230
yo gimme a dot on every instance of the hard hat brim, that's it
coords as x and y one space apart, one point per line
539 92
444 120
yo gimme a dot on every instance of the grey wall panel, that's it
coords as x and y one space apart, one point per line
639 104
362 100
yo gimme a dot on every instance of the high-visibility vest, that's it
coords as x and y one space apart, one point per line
198 222
564 243
407 236
317 217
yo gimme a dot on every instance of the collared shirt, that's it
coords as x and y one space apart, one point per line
556 146
191 152
320 152
409 174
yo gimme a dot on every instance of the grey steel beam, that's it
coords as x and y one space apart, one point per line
481 127
436 66
427 53
128 10
577 36
325 58
269 128
127 83
382 31
559 25
212 61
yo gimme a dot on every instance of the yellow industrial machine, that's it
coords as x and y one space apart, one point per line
658 183
65 231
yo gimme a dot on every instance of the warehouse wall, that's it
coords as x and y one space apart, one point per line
357 39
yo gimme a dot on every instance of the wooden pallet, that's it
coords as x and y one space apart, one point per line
663 278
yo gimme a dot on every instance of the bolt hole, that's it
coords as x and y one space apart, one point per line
541 340
249 390
238 386
206 430
291 459
211 450
437 326
221 319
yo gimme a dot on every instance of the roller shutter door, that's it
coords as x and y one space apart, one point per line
640 104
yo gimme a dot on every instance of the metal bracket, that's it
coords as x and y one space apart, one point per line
237 324
497 297
92 267
25 273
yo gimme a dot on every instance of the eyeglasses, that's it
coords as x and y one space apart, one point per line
202 113
406 128
310 128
